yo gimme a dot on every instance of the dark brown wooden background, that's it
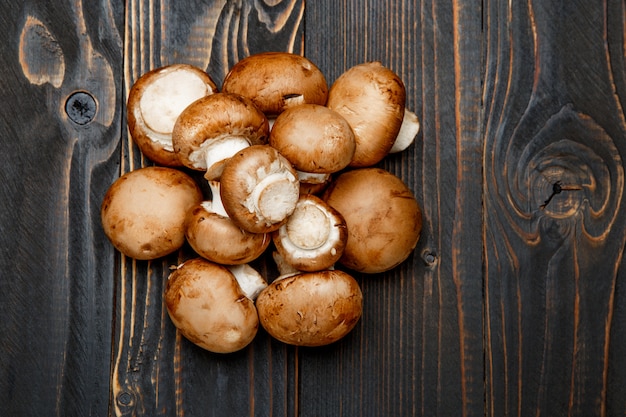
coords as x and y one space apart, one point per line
505 309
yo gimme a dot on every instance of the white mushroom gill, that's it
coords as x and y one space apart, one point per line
274 197
165 98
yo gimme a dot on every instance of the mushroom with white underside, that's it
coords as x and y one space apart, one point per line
154 103
208 306
143 211
214 236
259 189
212 129
314 236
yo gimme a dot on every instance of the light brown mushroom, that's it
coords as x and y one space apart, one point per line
154 103
371 97
143 211
207 305
315 139
276 81
259 189
314 236
212 129
214 236
383 217
311 308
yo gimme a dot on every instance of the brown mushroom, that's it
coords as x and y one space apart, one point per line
143 211
259 189
384 219
212 129
209 308
214 236
276 81
154 103
315 139
311 308
314 236
371 98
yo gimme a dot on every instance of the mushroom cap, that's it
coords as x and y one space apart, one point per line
259 189
371 98
312 308
313 138
276 81
215 117
209 308
314 236
143 211
154 103
218 239
383 218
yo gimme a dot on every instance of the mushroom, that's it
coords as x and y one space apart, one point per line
371 98
311 308
214 236
156 100
249 279
314 236
316 140
383 218
209 308
276 81
259 189
212 129
143 211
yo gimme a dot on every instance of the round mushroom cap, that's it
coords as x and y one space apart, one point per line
276 81
314 236
313 138
209 308
371 98
311 309
218 239
383 218
213 118
143 211
154 103
259 189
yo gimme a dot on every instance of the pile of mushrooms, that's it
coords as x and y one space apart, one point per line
289 167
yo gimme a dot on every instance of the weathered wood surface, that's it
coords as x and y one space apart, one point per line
505 308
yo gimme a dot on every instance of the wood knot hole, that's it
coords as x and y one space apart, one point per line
80 107
557 188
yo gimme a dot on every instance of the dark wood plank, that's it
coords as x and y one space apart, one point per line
56 289
555 223
418 348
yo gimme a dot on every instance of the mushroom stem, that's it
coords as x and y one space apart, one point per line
216 202
275 196
312 178
249 279
284 268
409 129
214 153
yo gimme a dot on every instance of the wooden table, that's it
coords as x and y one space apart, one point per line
514 302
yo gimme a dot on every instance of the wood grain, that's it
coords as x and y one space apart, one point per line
512 304
554 220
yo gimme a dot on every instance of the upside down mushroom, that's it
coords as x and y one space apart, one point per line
154 103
